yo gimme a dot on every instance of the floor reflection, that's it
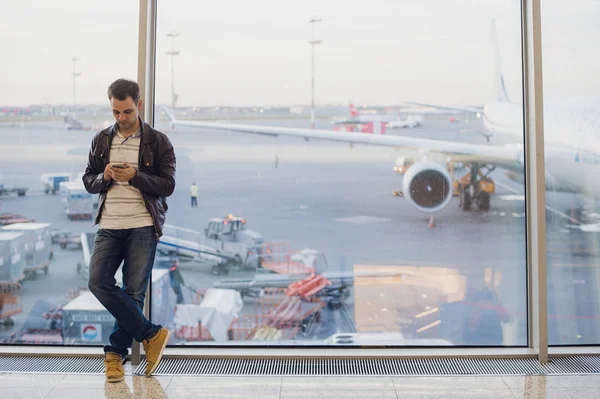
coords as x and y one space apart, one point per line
141 387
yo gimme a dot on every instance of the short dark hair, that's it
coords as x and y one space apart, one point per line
123 88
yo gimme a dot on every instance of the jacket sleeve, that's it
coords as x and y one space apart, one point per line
162 184
93 178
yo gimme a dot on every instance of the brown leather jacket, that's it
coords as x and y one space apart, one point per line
155 176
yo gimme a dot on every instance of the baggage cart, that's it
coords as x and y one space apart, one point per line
11 301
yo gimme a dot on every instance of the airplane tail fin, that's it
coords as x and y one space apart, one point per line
501 94
353 111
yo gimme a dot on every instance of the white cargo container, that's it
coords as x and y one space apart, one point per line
163 299
12 259
79 203
87 322
65 185
37 244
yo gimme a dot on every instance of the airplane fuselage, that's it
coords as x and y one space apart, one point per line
572 153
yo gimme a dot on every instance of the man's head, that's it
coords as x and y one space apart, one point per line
124 96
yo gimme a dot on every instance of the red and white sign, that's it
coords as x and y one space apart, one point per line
91 332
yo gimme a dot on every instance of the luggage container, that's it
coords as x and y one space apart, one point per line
63 187
163 299
12 247
79 203
211 319
86 321
37 245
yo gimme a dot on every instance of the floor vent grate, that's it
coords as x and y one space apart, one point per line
63 365
376 367
583 364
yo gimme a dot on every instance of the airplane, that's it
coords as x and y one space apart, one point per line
403 123
572 157
390 121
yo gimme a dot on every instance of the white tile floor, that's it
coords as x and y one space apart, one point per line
58 386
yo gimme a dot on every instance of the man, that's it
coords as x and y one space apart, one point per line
132 166
194 195
176 280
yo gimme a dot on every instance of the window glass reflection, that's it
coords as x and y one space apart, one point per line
359 179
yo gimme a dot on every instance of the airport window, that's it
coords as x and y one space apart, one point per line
367 161
59 58
571 126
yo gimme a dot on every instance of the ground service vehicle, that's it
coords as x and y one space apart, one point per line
52 181
226 243
4 190
230 236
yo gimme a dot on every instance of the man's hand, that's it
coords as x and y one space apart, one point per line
107 173
123 174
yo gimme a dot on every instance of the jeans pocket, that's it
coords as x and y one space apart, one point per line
145 232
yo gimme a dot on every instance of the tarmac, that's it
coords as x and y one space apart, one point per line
338 200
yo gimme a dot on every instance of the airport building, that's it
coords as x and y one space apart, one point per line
385 198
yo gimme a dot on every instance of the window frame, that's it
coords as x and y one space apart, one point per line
537 320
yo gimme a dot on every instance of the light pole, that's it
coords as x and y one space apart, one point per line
172 53
74 74
313 43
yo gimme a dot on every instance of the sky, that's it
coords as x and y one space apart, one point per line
236 52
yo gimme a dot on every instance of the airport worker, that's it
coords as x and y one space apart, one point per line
176 280
132 167
194 195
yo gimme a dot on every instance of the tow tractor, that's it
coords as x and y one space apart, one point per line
475 188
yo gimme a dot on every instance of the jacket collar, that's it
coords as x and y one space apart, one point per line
148 134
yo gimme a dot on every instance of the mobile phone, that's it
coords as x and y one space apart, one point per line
119 165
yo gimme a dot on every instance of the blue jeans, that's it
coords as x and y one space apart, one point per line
136 248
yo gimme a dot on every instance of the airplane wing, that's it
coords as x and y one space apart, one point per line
505 156
470 110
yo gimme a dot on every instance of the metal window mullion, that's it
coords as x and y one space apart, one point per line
145 78
150 64
535 178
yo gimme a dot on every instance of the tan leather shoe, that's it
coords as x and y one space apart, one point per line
154 348
113 364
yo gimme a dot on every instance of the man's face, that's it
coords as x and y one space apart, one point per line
126 112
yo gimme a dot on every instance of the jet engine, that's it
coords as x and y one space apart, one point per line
427 186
